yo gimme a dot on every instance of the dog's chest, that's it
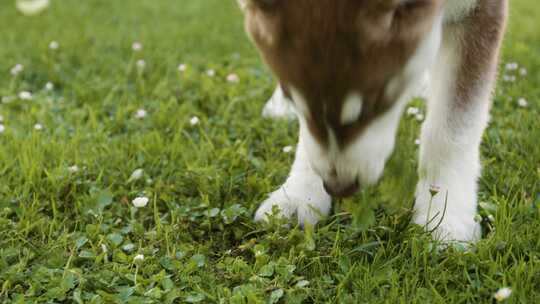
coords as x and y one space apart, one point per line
455 10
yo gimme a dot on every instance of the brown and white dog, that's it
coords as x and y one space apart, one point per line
348 68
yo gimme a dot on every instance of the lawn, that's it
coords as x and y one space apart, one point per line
69 232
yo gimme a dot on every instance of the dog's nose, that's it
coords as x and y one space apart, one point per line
340 191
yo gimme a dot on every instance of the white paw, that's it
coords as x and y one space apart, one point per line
308 206
448 214
278 107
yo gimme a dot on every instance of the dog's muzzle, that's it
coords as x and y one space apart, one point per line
342 191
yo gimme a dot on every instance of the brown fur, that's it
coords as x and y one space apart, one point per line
332 48
481 35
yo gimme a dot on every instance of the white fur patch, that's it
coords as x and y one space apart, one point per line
368 154
352 108
279 106
300 103
364 159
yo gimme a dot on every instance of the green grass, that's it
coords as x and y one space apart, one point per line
72 237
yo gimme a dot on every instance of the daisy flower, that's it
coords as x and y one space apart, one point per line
49 86
137 174
233 78
54 45
412 111
141 113
140 202
141 64
502 294
434 189
194 121
522 102
138 258
287 149
17 69
7 99
509 78
25 95
512 66
32 7
136 46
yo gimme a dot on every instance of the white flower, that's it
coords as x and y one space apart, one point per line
136 46
104 248
417 141
141 113
211 73
419 117
522 102
141 64
194 121
54 45
49 86
128 247
287 149
138 258
512 66
140 202
7 99
233 78
73 169
17 69
25 95
137 174
411 111
2 128
32 7
38 127
509 78
502 294
523 72
182 67
434 189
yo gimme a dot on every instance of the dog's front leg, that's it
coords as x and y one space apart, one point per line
458 110
302 194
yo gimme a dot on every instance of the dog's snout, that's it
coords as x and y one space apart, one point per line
341 191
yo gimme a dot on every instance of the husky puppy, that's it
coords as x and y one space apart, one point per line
348 68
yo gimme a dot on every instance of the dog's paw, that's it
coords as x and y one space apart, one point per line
451 228
278 107
449 216
309 207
